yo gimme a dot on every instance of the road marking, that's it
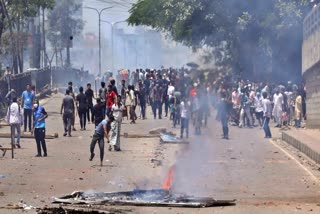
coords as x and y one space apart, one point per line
297 161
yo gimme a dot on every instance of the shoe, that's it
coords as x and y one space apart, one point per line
38 155
45 155
110 148
226 137
64 134
160 118
18 146
69 135
91 157
74 129
84 129
81 129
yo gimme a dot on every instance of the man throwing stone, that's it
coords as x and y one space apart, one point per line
101 131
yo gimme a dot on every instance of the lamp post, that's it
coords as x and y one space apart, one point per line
99 15
112 24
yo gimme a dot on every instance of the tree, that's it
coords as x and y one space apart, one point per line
14 17
64 26
252 37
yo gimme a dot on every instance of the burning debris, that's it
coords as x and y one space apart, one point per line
156 197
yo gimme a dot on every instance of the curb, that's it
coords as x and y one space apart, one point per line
314 155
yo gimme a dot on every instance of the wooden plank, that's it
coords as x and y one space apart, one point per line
126 135
29 136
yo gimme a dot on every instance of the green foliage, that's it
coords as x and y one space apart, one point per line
247 35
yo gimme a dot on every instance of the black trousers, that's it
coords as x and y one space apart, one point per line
83 118
67 121
27 113
89 111
225 128
39 135
100 139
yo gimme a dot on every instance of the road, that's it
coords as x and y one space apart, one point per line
264 176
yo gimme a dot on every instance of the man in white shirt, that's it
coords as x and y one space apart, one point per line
277 108
171 90
267 113
14 118
116 112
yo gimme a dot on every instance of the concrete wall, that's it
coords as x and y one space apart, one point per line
311 66
312 78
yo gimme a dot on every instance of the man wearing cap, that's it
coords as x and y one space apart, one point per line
69 109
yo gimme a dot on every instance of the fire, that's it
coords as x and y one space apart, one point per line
169 180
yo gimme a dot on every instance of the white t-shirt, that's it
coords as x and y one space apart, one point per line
117 112
278 101
170 91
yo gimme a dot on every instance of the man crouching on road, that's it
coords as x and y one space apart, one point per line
39 116
101 131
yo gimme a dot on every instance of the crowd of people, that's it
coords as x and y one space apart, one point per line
172 93
246 104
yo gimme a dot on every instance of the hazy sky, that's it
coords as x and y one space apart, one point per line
119 12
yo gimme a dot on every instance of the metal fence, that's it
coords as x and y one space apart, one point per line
41 77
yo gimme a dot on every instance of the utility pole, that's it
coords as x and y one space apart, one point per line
99 22
112 24
45 61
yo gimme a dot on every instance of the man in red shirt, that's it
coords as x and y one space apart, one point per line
111 99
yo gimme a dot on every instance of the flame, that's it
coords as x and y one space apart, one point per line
169 180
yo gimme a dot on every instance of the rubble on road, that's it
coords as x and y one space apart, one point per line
165 138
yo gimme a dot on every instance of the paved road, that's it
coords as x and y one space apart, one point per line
260 174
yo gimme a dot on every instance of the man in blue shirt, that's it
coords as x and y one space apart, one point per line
27 101
101 131
39 125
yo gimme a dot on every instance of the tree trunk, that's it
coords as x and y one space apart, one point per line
68 57
13 47
2 17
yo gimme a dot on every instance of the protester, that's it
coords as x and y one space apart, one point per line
103 95
98 112
72 94
258 108
111 99
116 112
90 95
101 132
224 109
185 116
245 109
142 99
277 108
157 101
298 110
267 113
27 101
10 95
132 104
40 114
68 109
82 107
15 119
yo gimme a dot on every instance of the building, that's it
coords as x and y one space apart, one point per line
311 66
